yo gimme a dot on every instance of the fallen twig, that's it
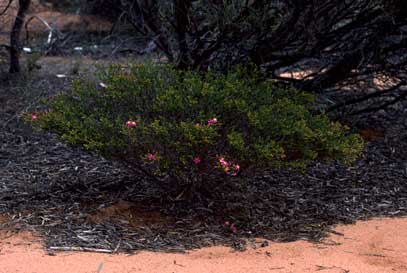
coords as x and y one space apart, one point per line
76 248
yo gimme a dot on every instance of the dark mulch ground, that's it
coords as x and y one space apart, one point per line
75 199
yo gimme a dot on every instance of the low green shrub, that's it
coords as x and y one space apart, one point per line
193 127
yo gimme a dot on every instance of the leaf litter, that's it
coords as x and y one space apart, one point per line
79 201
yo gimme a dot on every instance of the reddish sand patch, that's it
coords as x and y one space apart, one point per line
376 246
131 214
371 134
68 22
39 13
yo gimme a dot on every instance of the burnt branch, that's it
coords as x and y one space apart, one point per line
15 36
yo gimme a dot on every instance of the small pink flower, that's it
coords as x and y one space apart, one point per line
233 228
131 124
224 163
151 157
212 121
34 117
227 223
236 169
197 160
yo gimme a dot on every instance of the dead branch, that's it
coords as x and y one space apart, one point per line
15 36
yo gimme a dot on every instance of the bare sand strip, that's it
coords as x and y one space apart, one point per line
375 246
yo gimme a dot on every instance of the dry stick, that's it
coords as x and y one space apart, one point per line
51 30
77 248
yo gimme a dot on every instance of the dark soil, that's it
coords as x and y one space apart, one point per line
77 199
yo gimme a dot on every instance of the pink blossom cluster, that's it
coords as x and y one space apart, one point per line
229 167
210 122
196 160
131 124
151 157
213 121
36 115
232 226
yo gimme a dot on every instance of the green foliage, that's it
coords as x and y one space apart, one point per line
188 125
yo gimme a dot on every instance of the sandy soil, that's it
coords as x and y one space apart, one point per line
375 246
60 21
